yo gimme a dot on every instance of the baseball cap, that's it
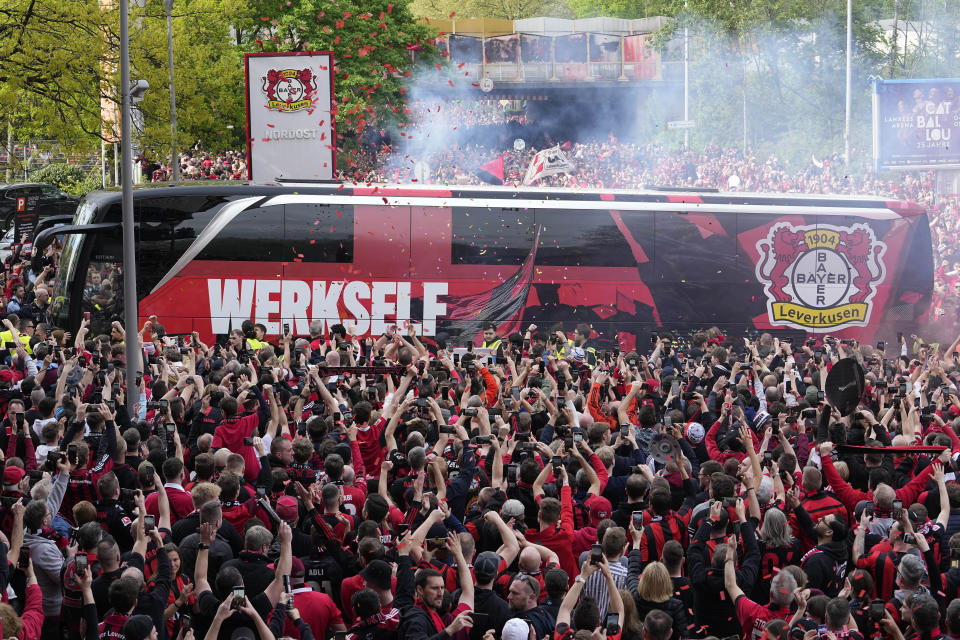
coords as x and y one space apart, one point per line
287 508
297 569
138 627
653 385
13 475
486 566
599 510
512 509
378 573
515 629
695 432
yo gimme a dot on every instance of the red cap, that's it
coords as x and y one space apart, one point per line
600 509
653 385
287 508
13 475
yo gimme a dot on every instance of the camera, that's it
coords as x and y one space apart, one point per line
470 412
482 439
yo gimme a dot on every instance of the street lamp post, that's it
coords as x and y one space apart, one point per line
174 159
848 105
129 249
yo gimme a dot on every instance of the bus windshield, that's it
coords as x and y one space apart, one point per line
72 246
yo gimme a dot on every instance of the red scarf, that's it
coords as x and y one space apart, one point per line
434 616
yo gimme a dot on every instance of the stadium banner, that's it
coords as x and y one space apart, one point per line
536 48
467 49
290 130
916 123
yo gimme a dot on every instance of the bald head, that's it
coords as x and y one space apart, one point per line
529 560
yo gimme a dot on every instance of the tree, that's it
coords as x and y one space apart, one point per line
208 73
51 66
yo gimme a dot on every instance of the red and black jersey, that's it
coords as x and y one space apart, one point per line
883 567
112 627
303 473
818 505
661 530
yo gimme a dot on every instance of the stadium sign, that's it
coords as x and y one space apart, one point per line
290 129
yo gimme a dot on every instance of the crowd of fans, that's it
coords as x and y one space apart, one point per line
199 165
535 486
532 487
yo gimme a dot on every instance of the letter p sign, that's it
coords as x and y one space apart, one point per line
21 204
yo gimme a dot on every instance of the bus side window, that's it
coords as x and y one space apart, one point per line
250 237
319 232
491 235
584 238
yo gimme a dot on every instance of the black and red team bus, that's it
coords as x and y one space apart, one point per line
453 259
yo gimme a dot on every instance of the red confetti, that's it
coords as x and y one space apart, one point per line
453 13
390 8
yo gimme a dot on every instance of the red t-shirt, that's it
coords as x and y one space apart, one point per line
754 617
368 440
317 610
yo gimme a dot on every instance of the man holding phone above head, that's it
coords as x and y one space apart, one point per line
420 594
85 474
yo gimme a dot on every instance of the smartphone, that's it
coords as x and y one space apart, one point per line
72 454
86 316
596 554
612 624
512 472
821 396
557 462
675 388
638 520
881 345
897 509
238 597
515 392
149 522
82 563
788 385
877 611
903 389
24 560
286 587
822 631
286 329
578 437
171 428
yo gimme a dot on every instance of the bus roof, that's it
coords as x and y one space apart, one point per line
392 194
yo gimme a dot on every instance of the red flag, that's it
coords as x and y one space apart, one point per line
492 172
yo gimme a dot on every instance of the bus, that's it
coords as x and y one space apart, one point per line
455 259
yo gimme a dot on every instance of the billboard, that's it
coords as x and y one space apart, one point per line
916 123
290 130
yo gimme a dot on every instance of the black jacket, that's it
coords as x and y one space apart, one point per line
498 612
826 567
415 623
674 607
717 614
257 576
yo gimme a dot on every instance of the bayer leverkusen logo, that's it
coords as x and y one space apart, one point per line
820 276
289 90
